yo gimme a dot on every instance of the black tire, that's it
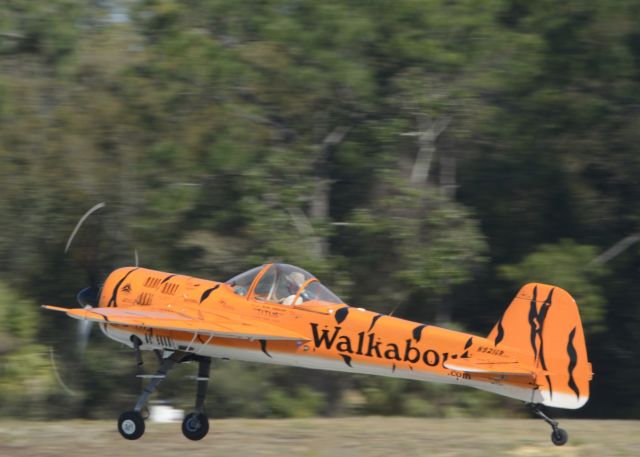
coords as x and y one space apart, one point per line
559 437
131 425
195 426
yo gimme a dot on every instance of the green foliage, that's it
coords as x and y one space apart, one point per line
26 379
18 316
302 402
44 28
223 136
570 266
395 397
421 243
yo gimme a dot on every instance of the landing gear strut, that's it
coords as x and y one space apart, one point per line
131 423
559 436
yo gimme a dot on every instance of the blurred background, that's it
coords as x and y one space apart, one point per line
422 157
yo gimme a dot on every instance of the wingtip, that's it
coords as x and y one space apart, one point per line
55 308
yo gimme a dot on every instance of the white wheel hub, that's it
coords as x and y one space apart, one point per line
128 426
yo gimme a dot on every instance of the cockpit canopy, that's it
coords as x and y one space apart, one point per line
281 283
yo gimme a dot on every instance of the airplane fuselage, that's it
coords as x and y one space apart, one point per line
336 337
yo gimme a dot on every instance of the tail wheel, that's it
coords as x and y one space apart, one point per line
195 426
131 425
559 437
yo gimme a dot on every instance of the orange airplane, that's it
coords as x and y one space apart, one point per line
279 313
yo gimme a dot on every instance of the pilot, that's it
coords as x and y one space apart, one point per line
293 281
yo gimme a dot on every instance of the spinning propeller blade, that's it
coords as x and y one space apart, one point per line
89 296
88 258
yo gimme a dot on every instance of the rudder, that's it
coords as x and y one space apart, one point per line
542 325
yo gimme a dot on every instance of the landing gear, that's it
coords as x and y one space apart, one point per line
559 436
131 425
195 425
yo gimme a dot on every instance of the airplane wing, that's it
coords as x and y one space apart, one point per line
220 325
513 368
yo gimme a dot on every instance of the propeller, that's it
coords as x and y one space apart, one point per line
89 296
88 258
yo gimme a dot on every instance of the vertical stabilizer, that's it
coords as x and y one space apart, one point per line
542 325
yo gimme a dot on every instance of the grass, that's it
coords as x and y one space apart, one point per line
357 436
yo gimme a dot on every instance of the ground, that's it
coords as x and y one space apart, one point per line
357 436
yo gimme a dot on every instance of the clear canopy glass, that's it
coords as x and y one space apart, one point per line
281 283
242 283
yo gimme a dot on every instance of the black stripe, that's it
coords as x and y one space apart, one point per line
207 292
373 321
341 314
542 316
263 346
417 332
573 361
550 387
533 315
347 359
500 335
468 343
114 296
166 279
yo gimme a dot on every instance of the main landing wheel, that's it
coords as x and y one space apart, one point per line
195 426
131 425
559 437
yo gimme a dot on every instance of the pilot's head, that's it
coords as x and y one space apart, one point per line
294 280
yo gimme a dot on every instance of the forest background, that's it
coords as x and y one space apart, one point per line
423 157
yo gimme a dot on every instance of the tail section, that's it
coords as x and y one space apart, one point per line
542 326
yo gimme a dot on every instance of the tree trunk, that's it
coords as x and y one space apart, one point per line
320 206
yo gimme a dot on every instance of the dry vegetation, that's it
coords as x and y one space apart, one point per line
370 436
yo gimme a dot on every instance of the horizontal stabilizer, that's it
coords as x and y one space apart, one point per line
228 327
486 367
